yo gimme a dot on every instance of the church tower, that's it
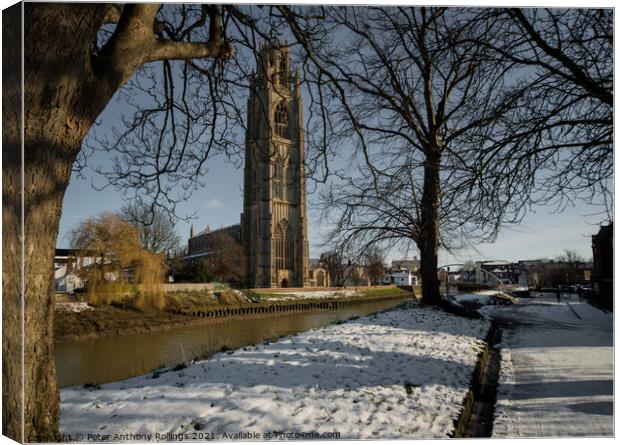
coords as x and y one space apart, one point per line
274 226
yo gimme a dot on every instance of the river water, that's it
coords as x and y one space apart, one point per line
107 359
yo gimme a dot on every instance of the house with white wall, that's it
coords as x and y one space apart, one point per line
400 278
67 263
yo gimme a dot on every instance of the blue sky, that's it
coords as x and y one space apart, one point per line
542 233
220 202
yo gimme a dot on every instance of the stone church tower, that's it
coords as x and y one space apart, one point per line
274 228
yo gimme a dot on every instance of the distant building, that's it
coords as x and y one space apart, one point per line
400 278
412 266
451 275
603 260
67 264
531 273
467 274
403 272
355 275
201 244
550 273
319 274
274 217
494 272
488 272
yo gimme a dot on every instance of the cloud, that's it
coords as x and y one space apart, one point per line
214 204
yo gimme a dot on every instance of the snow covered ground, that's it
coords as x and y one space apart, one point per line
76 306
556 376
399 374
483 298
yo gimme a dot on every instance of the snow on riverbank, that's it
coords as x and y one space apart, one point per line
483 301
76 306
399 374
312 294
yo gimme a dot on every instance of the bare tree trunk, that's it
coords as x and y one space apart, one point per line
46 177
429 233
60 105
66 87
11 225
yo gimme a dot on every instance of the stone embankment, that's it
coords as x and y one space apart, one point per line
116 320
285 306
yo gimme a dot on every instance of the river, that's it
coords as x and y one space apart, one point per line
109 359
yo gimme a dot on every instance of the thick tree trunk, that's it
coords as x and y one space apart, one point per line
65 88
11 223
428 244
60 105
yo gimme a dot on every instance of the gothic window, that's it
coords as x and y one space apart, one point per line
278 178
289 248
282 71
290 184
278 238
284 243
281 118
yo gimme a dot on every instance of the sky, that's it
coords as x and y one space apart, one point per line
220 203
542 233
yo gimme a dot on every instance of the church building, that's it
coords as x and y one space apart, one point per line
273 227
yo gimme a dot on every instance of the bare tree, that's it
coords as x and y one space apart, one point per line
567 268
373 263
571 257
463 118
571 267
177 115
226 259
195 271
556 144
171 68
335 267
154 225
416 92
76 58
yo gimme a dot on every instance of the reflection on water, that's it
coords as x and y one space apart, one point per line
109 359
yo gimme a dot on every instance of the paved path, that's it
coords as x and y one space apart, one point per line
556 375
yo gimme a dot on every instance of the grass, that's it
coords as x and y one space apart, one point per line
257 297
189 301
387 292
376 292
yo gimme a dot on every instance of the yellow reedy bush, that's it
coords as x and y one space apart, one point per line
122 269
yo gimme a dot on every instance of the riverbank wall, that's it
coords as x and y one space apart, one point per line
118 320
285 306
